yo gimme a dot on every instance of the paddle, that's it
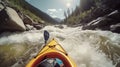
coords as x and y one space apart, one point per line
46 36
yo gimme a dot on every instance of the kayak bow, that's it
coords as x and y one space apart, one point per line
52 50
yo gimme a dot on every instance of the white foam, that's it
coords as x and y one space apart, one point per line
81 45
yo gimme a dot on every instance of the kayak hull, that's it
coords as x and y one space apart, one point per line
52 50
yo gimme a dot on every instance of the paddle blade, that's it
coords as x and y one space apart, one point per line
46 36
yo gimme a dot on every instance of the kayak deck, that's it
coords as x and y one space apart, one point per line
52 50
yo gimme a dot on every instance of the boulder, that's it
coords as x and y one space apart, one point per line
27 20
1 6
85 27
38 26
96 22
105 22
10 21
115 28
30 27
114 15
100 22
118 64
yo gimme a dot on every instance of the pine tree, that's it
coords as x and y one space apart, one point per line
68 12
65 14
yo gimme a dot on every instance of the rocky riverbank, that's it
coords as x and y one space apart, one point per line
109 22
12 19
96 14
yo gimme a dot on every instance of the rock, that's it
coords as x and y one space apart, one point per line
38 26
118 64
85 27
10 21
115 28
115 15
104 22
1 6
97 23
97 12
30 27
27 20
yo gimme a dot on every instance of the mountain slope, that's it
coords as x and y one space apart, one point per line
58 19
39 13
26 8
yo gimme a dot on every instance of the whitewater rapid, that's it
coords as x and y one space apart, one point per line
87 48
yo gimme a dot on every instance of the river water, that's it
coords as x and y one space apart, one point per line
87 48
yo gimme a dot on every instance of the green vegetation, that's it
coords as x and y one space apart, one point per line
74 19
19 5
81 12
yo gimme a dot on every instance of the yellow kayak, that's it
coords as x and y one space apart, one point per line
52 50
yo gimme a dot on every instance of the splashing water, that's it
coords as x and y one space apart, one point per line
87 48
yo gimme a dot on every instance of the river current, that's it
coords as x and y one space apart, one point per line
86 47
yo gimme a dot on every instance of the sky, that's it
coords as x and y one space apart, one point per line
54 8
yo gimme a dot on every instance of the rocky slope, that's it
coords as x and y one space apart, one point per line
97 14
19 16
108 22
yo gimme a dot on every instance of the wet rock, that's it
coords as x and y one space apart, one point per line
38 26
118 64
10 21
1 6
85 27
115 28
30 27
